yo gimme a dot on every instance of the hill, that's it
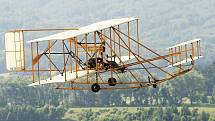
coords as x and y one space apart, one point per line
165 21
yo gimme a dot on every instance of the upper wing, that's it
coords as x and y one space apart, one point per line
187 52
84 30
185 43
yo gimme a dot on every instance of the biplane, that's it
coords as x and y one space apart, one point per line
106 55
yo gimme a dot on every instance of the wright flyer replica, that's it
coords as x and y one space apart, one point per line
106 55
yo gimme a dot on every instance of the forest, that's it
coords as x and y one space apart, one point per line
186 93
50 113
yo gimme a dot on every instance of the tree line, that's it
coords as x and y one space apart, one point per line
197 87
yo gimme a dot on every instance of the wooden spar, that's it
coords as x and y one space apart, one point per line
114 44
176 58
23 49
102 52
32 57
186 51
104 45
111 51
41 70
50 64
193 54
95 51
105 38
38 64
180 47
70 48
87 57
20 54
135 55
135 82
172 56
125 65
37 58
198 48
15 47
70 57
100 35
129 41
103 49
127 48
119 41
115 29
146 84
41 30
64 60
111 54
76 54
138 38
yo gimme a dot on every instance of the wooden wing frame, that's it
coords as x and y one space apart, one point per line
143 68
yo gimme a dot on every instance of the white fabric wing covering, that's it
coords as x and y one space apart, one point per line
72 76
84 30
184 61
184 43
60 79
14 50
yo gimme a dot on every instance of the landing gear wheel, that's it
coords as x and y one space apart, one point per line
154 85
95 87
112 81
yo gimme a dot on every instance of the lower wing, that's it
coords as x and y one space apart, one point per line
72 76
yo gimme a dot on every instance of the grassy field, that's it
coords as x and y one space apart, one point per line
210 110
73 111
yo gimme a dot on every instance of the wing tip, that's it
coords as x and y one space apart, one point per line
186 42
182 62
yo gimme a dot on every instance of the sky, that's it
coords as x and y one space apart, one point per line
165 21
